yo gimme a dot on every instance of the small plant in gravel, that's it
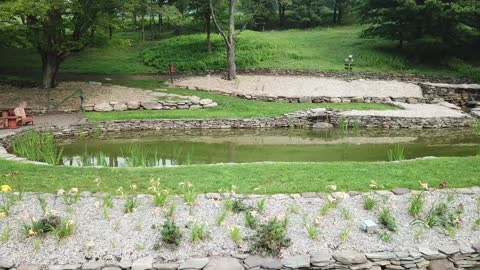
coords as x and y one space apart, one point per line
251 219
416 204
443 216
43 205
199 233
313 232
294 209
171 234
346 214
419 234
64 229
160 196
369 202
238 206
36 245
270 238
71 197
397 153
236 235
476 223
6 233
131 204
329 204
386 219
221 218
385 236
261 205
8 200
107 201
171 211
344 234
189 194
450 196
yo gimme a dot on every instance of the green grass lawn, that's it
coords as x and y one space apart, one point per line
273 178
314 49
228 107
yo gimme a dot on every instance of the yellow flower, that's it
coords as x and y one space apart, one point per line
3 214
6 188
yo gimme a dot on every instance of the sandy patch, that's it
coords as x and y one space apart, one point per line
297 86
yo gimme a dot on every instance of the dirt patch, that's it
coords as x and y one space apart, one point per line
66 92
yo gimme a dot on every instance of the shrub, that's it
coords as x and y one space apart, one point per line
171 234
270 238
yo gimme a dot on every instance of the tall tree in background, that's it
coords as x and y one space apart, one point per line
201 9
56 28
264 10
229 35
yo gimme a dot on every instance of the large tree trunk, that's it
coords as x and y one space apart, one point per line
50 63
232 67
208 20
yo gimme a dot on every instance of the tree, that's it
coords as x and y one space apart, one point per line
229 36
201 9
56 28
264 10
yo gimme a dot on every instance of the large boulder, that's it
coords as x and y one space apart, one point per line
443 264
120 107
133 105
103 107
349 257
152 105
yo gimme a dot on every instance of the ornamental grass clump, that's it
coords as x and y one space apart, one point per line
51 223
160 196
71 197
270 238
448 218
38 146
131 203
199 233
386 219
416 205
369 202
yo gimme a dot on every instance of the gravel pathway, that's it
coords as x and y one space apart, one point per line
413 111
297 86
130 236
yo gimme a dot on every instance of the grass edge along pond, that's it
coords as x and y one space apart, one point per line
269 178
228 107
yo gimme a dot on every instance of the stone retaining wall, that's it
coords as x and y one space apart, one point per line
448 257
401 122
458 95
343 75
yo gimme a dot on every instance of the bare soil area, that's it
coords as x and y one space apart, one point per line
66 92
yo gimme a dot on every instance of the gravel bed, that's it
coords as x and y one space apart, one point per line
298 86
130 236
411 111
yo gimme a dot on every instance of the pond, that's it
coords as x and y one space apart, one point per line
169 148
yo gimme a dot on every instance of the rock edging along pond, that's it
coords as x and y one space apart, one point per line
110 239
425 258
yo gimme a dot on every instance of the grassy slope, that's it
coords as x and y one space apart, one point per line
229 107
274 178
317 49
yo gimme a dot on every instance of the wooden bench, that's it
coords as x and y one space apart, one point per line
9 119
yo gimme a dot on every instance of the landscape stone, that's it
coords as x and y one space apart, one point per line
4 264
350 257
263 262
144 263
381 256
103 107
322 125
476 246
31 267
335 100
309 195
152 105
401 191
357 99
133 105
321 257
166 266
112 268
449 249
224 264
193 264
442 264
360 266
205 101
295 262
210 105
65 267
93 265
120 107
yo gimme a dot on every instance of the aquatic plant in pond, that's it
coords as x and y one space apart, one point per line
396 153
38 146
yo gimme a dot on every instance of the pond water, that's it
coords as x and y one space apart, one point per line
168 148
